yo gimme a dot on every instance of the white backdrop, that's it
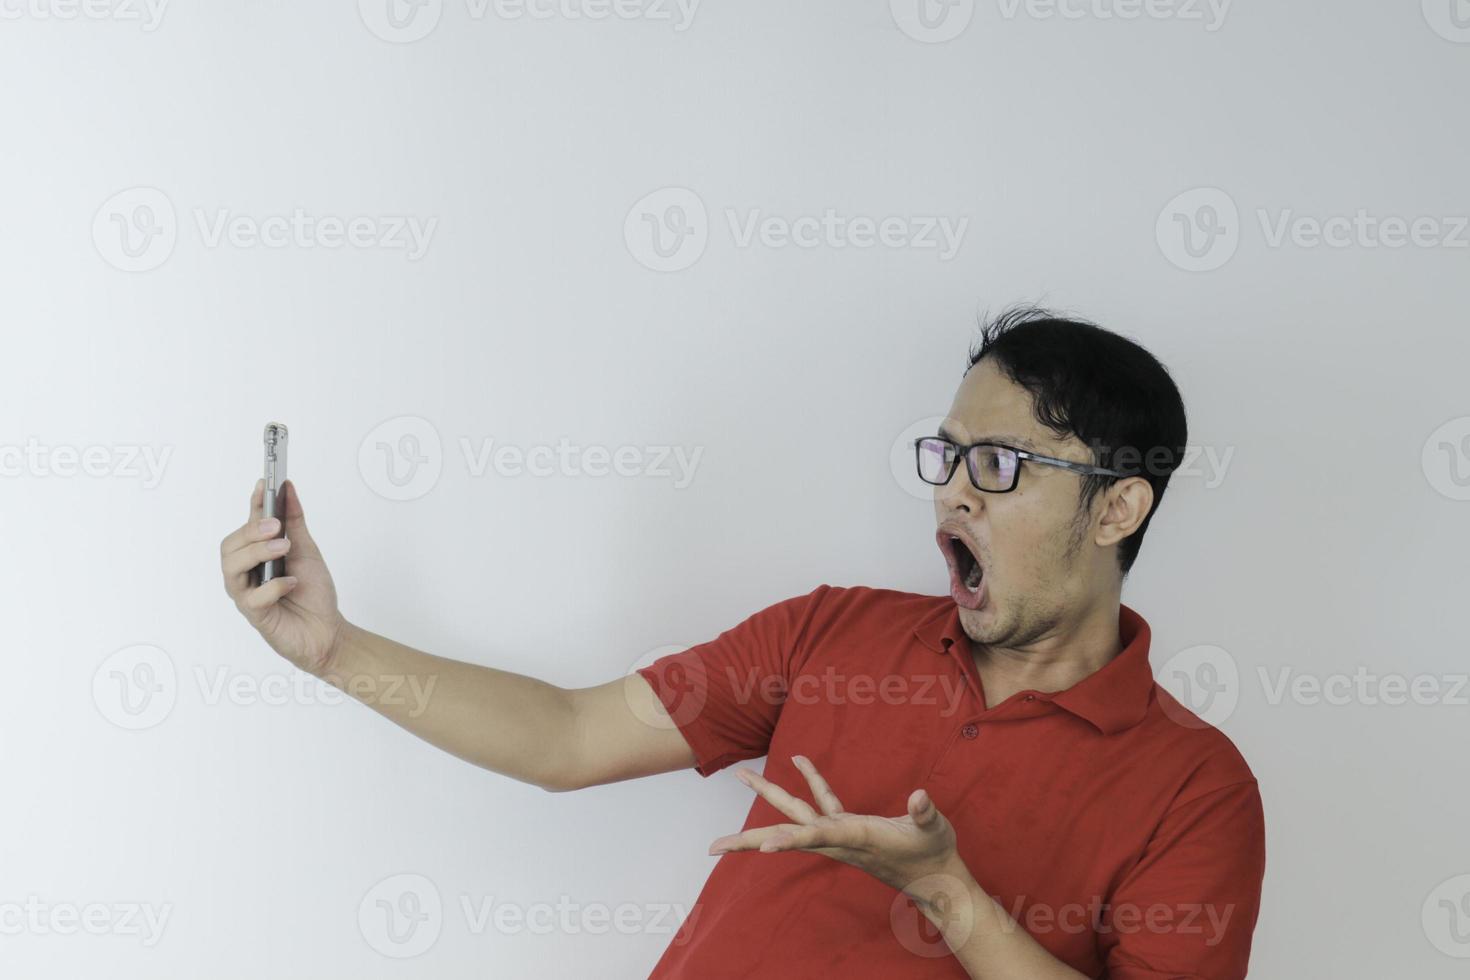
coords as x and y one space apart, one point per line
716 231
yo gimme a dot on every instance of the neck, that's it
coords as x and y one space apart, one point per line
1071 650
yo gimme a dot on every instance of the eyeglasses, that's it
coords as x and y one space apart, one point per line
993 468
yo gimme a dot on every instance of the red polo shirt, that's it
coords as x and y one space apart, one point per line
1122 832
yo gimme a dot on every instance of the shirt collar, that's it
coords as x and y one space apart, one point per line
1113 698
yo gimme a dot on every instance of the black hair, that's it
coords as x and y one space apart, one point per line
1105 389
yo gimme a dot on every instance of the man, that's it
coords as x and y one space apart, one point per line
1059 815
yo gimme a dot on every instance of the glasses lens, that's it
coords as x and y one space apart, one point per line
994 468
936 458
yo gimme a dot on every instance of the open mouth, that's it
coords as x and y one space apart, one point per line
966 565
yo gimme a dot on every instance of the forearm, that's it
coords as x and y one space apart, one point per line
988 943
508 723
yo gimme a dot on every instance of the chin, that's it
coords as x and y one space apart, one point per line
978 622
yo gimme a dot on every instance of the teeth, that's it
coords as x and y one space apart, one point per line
972 578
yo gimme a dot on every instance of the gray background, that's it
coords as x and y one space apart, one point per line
1334 541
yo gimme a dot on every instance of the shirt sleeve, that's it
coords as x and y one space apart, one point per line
725 695
1188 909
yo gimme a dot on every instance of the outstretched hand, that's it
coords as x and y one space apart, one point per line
896 850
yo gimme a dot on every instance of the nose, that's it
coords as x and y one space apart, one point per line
959 495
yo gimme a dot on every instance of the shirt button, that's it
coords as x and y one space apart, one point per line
970 731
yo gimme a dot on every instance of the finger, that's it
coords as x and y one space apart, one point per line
797 809
821 792
246 537
748 840
260 599
295 518
923 812
247 532
242 560
838 834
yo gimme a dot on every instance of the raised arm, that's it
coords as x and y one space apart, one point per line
509 723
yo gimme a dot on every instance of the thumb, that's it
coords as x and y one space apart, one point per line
923 811
302 544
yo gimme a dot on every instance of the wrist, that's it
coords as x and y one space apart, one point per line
955 904
337 662
938 893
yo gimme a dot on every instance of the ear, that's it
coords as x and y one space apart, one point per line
1125 506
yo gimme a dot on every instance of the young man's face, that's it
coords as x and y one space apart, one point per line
1040 565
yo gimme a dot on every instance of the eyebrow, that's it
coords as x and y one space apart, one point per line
1020 442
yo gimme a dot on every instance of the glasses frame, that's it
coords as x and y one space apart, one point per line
963 452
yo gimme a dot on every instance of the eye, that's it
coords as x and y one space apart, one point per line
990 459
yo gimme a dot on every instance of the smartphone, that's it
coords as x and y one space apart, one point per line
275 475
